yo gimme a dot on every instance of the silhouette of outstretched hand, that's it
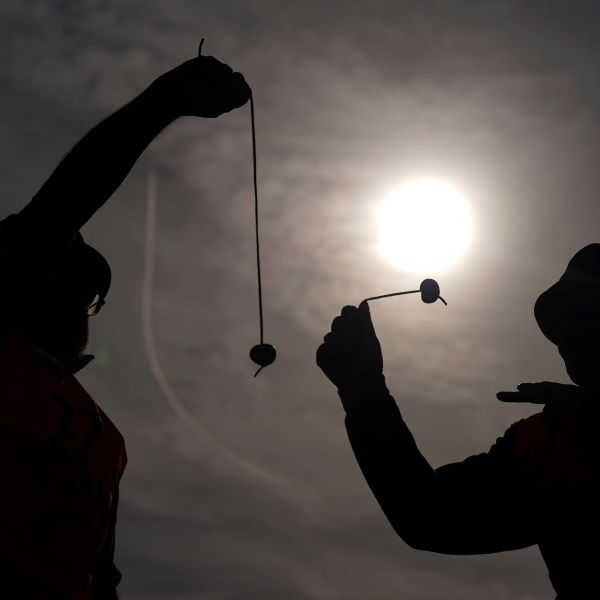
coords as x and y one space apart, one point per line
202 87
350 355
543 392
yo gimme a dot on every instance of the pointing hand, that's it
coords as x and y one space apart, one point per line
543 392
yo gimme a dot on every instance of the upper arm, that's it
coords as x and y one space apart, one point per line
475 506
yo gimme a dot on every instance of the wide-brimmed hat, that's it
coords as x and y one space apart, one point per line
574 299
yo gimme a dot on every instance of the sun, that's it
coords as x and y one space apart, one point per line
425 226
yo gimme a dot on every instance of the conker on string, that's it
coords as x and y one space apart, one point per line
263 354
430 290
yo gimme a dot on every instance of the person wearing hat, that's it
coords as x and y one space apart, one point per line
61 457
539 484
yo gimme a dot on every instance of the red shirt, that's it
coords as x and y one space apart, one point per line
61 461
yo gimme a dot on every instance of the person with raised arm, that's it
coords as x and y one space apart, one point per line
61 457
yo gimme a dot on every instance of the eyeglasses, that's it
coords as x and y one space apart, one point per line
94 308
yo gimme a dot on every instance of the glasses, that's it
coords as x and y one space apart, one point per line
94 308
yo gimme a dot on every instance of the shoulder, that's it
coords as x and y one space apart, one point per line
519 430
530 434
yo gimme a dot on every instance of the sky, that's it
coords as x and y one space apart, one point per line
258 494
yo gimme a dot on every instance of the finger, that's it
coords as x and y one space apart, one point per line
337 325
520 397
322 355
322 352
350 311
326 357
525 387
508 396
212 67
234 96
347 326
220 66
240 89
333 341
365 317
536 390
237 79
540 385
236 84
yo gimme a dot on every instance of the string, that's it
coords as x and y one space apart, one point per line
399 294
390 295
260 305
159 375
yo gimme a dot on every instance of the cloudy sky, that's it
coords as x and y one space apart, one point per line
261 497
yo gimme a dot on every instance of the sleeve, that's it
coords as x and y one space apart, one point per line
106 577
473 507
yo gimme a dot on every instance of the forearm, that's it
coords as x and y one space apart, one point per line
399 476
97 165
476 506
462 508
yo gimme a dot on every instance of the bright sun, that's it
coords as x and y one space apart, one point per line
425 226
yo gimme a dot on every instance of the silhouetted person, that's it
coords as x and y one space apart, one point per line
538 484
61 458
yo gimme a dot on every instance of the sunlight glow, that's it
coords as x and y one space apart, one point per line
425 226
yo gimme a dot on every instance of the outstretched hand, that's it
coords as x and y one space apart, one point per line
202 87
350 355
542 392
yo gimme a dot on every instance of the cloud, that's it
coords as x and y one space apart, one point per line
351 100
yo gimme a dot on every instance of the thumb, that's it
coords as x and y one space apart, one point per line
365 317
364 310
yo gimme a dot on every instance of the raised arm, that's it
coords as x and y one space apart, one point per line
473 507
90 173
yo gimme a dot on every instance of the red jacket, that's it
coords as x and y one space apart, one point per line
61 461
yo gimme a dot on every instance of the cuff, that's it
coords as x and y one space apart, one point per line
366 397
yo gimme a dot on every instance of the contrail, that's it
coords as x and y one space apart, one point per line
155 367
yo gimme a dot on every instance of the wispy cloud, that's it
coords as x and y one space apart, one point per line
352 98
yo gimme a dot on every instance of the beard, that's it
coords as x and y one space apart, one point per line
62 332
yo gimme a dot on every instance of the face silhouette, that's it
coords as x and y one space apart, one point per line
57 320
579 347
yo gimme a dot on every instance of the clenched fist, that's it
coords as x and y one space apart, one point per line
202 87
350 355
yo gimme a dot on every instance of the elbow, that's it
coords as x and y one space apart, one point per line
415 540
414 531
420 528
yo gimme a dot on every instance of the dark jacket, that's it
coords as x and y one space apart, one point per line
538 484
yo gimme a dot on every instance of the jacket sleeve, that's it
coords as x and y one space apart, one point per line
473 507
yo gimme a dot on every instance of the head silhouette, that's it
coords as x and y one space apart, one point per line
568 314
56 320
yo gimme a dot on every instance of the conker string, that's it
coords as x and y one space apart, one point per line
260 307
